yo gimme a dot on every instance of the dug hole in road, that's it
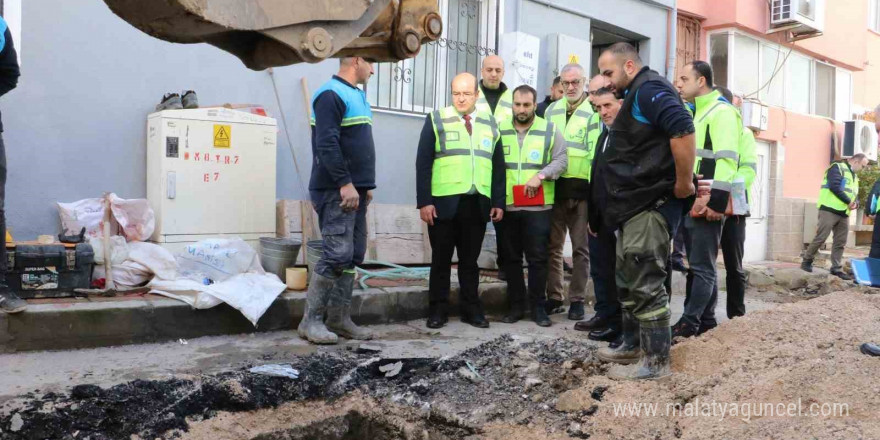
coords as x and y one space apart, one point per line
526 384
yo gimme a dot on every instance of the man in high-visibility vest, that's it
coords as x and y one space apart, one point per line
837 198
573 115
733 234
497 100
343 177
459 187
718 131
534 155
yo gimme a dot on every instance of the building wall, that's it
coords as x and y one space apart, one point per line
647 19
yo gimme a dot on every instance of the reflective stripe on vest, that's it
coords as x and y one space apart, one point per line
525 162
462 162
503 110
850 184
581 132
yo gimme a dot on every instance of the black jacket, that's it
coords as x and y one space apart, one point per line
448 205
9 71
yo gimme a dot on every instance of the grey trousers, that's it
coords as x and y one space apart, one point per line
829 222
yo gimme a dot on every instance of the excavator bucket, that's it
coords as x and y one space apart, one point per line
270 33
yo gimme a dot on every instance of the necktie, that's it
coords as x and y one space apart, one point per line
467 124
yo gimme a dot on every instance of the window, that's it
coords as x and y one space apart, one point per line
874 15
748 72
799 79
780 76
772 75
718 46
824 90
421 84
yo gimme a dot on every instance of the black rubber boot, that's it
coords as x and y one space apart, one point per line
629 351
654 364
515 312
807 265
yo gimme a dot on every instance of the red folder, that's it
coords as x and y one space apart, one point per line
521 199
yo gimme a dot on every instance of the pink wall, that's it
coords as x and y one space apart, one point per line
807 149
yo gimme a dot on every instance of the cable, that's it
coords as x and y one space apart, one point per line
776 71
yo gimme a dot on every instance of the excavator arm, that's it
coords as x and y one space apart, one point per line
271 33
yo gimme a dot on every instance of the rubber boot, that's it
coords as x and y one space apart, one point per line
516 306
312 326
629 351
339 310
654 364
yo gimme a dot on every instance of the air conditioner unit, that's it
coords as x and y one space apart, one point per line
755 115
859 137
801 17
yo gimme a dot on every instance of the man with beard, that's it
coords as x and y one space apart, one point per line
647 170
534 155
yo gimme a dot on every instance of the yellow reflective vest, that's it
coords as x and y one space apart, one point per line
581 132
525 162
462 162
850 185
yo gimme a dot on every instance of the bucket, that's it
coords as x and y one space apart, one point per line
277 254
297 278
314 252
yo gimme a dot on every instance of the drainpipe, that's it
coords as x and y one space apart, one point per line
671 41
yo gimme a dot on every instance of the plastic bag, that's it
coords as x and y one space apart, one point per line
134 216
249 293
118 249
155 258
86 213
217 259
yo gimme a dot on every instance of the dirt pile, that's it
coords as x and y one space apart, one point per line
803 355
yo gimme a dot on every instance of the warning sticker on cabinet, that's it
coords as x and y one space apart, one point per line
222 136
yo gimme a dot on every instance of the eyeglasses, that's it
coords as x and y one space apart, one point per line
566 84
464 94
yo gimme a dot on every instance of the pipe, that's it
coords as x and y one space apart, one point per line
671 42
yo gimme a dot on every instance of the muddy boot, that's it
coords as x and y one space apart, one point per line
312 326
654 363
629 351
339 310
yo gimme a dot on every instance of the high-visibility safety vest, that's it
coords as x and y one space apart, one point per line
719 130
850 184
503 110
357 109
462 161
525 162
747 169
581 133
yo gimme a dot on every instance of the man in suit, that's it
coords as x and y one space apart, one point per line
460 186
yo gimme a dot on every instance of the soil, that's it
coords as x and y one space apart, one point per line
513 388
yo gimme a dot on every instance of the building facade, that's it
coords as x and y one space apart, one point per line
76 125
810 85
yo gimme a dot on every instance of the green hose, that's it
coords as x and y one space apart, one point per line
396 272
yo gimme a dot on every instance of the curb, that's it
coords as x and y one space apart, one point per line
147 320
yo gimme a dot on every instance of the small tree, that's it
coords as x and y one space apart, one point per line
867 177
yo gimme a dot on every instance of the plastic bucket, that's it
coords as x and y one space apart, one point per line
297 278
277 254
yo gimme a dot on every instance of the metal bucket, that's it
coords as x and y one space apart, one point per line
314 252
277 254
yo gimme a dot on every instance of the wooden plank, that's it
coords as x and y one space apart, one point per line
372 252
397 219
401 248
